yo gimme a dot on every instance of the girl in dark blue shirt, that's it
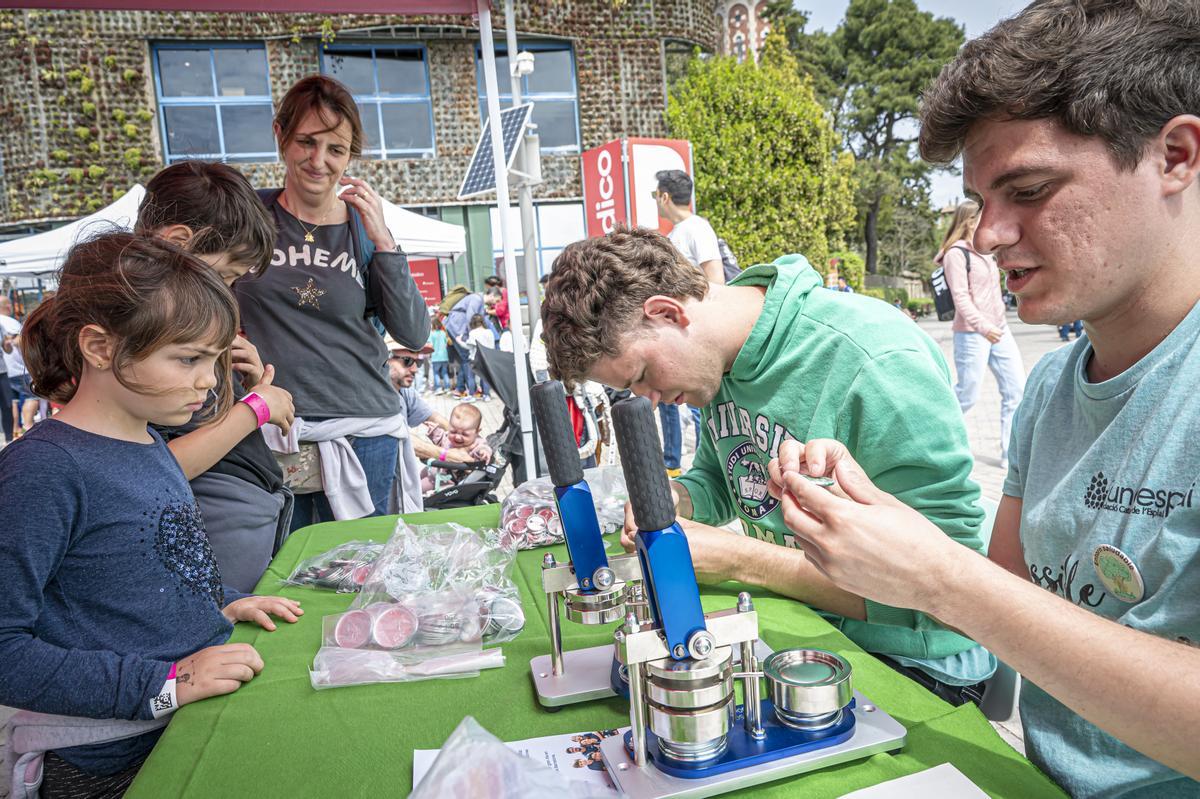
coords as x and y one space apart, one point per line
113 606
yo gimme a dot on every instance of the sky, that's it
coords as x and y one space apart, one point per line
976 15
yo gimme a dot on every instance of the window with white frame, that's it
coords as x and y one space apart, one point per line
551 88
214 101
390 83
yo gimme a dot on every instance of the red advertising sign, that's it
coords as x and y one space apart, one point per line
619 179
604 188
428 277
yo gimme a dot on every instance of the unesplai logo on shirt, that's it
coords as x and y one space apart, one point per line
1105 494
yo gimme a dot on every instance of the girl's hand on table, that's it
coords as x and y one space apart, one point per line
215 671
259 610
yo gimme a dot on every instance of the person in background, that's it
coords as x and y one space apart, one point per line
113 606
844 286
10 328
695 239
210 210
23 404
460 441
538 362
982 338
439 357
495 283
406 489
1065 331
458 325
335 268
481 336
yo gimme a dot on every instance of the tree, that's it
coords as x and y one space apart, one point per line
769 174
872 70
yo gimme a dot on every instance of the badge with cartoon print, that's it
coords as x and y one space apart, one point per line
1118 573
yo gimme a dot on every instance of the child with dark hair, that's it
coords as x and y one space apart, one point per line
211 210
113 606
480 335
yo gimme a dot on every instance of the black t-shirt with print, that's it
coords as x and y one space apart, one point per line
307 317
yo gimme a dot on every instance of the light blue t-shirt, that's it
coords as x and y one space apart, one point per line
1108 471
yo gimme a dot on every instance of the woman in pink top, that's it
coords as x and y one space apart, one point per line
981 334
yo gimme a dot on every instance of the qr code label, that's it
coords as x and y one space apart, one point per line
162 702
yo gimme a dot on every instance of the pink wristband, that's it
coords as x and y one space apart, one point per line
259 406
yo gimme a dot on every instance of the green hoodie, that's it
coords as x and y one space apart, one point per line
826 364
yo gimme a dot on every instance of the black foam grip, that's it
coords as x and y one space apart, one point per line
642 462
558 438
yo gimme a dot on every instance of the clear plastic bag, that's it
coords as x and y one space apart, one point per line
455 580
529 515
475 763
335 667
344 568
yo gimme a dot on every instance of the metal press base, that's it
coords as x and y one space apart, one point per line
587 674
874 732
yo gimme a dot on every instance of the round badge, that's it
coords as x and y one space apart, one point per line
1118 573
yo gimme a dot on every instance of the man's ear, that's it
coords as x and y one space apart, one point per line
97 347
661 309
1179 141
179 235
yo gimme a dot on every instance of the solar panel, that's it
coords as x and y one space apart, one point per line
481 174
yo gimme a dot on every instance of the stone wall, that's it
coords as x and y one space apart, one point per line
79 124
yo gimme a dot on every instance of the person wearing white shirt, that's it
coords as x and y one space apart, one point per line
696 241
11 367
692 235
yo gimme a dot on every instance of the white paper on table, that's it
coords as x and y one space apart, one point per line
550 751
939 782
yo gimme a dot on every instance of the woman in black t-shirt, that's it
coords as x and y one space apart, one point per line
336 273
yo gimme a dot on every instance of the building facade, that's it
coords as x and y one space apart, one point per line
94 102
743 27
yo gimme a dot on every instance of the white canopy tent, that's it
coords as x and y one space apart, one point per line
42 253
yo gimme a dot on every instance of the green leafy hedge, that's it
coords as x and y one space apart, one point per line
770 176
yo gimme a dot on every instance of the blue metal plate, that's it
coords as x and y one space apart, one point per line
743 751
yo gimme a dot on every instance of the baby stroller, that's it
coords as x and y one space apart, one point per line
479 484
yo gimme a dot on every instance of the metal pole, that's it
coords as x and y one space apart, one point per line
524 190
510 260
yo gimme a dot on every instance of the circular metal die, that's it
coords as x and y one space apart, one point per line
701 644
689 695
809 687
600 607
691 735
716 666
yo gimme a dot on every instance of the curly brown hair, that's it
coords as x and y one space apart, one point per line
596 291
1117 69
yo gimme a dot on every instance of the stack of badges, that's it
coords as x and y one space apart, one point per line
344 568
439 628
529 526
382 625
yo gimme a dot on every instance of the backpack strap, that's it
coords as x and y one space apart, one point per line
967 253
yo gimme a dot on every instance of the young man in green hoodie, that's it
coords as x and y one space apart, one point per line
771 358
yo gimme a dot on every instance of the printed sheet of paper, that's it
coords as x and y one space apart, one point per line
939 782
574 756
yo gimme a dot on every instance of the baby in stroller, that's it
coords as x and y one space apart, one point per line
464 449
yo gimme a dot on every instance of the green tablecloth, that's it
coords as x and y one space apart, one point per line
277 737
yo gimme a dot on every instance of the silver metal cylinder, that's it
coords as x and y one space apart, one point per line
637 714
809 687
690 705
556 653
598 607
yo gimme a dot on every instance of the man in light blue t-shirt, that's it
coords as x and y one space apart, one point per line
1078 122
